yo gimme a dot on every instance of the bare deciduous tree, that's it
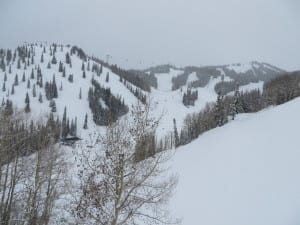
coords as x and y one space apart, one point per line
30 169
120 188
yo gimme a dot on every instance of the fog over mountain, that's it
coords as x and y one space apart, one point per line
139 33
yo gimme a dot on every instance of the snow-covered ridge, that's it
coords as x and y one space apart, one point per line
165 100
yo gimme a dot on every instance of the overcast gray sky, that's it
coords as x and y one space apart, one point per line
141 33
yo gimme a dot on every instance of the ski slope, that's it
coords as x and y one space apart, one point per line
167 103
245 173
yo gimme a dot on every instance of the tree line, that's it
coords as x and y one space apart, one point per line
277 91
106 108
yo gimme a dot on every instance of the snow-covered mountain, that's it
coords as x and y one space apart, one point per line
26 67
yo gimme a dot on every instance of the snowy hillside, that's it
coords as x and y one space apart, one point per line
26 74
21 75
244 173
205 81
169 103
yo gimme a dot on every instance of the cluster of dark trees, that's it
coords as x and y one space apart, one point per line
98 69
219 113
259 71
106 108
137 78
147 78
179 81
51 89
203 74
227 86
31 134
137 92
189 97
161 69
79 52
275 92
22 55
68 127
282 89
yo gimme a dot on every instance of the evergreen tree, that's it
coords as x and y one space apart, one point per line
61 67
23 77
61 86
176 136
49 65
34 91
107 77
80 94
83 75
8 56
101 69
235 105
32 74
83 66
2 65
41 81
70 78
3 87
27 102
54 88
220 114
88 66
5 77
42 58
85 126
54 60
68 127
16 83
64 72
40 98
64 129
9 69
72 127
19 64
28 84
68 59
13 89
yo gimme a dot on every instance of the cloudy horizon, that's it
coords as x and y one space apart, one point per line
139 34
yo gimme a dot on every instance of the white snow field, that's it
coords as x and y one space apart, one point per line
245 173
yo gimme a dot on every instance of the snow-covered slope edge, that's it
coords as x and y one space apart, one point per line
245 173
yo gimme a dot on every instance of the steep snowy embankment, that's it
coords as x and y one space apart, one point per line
245 173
